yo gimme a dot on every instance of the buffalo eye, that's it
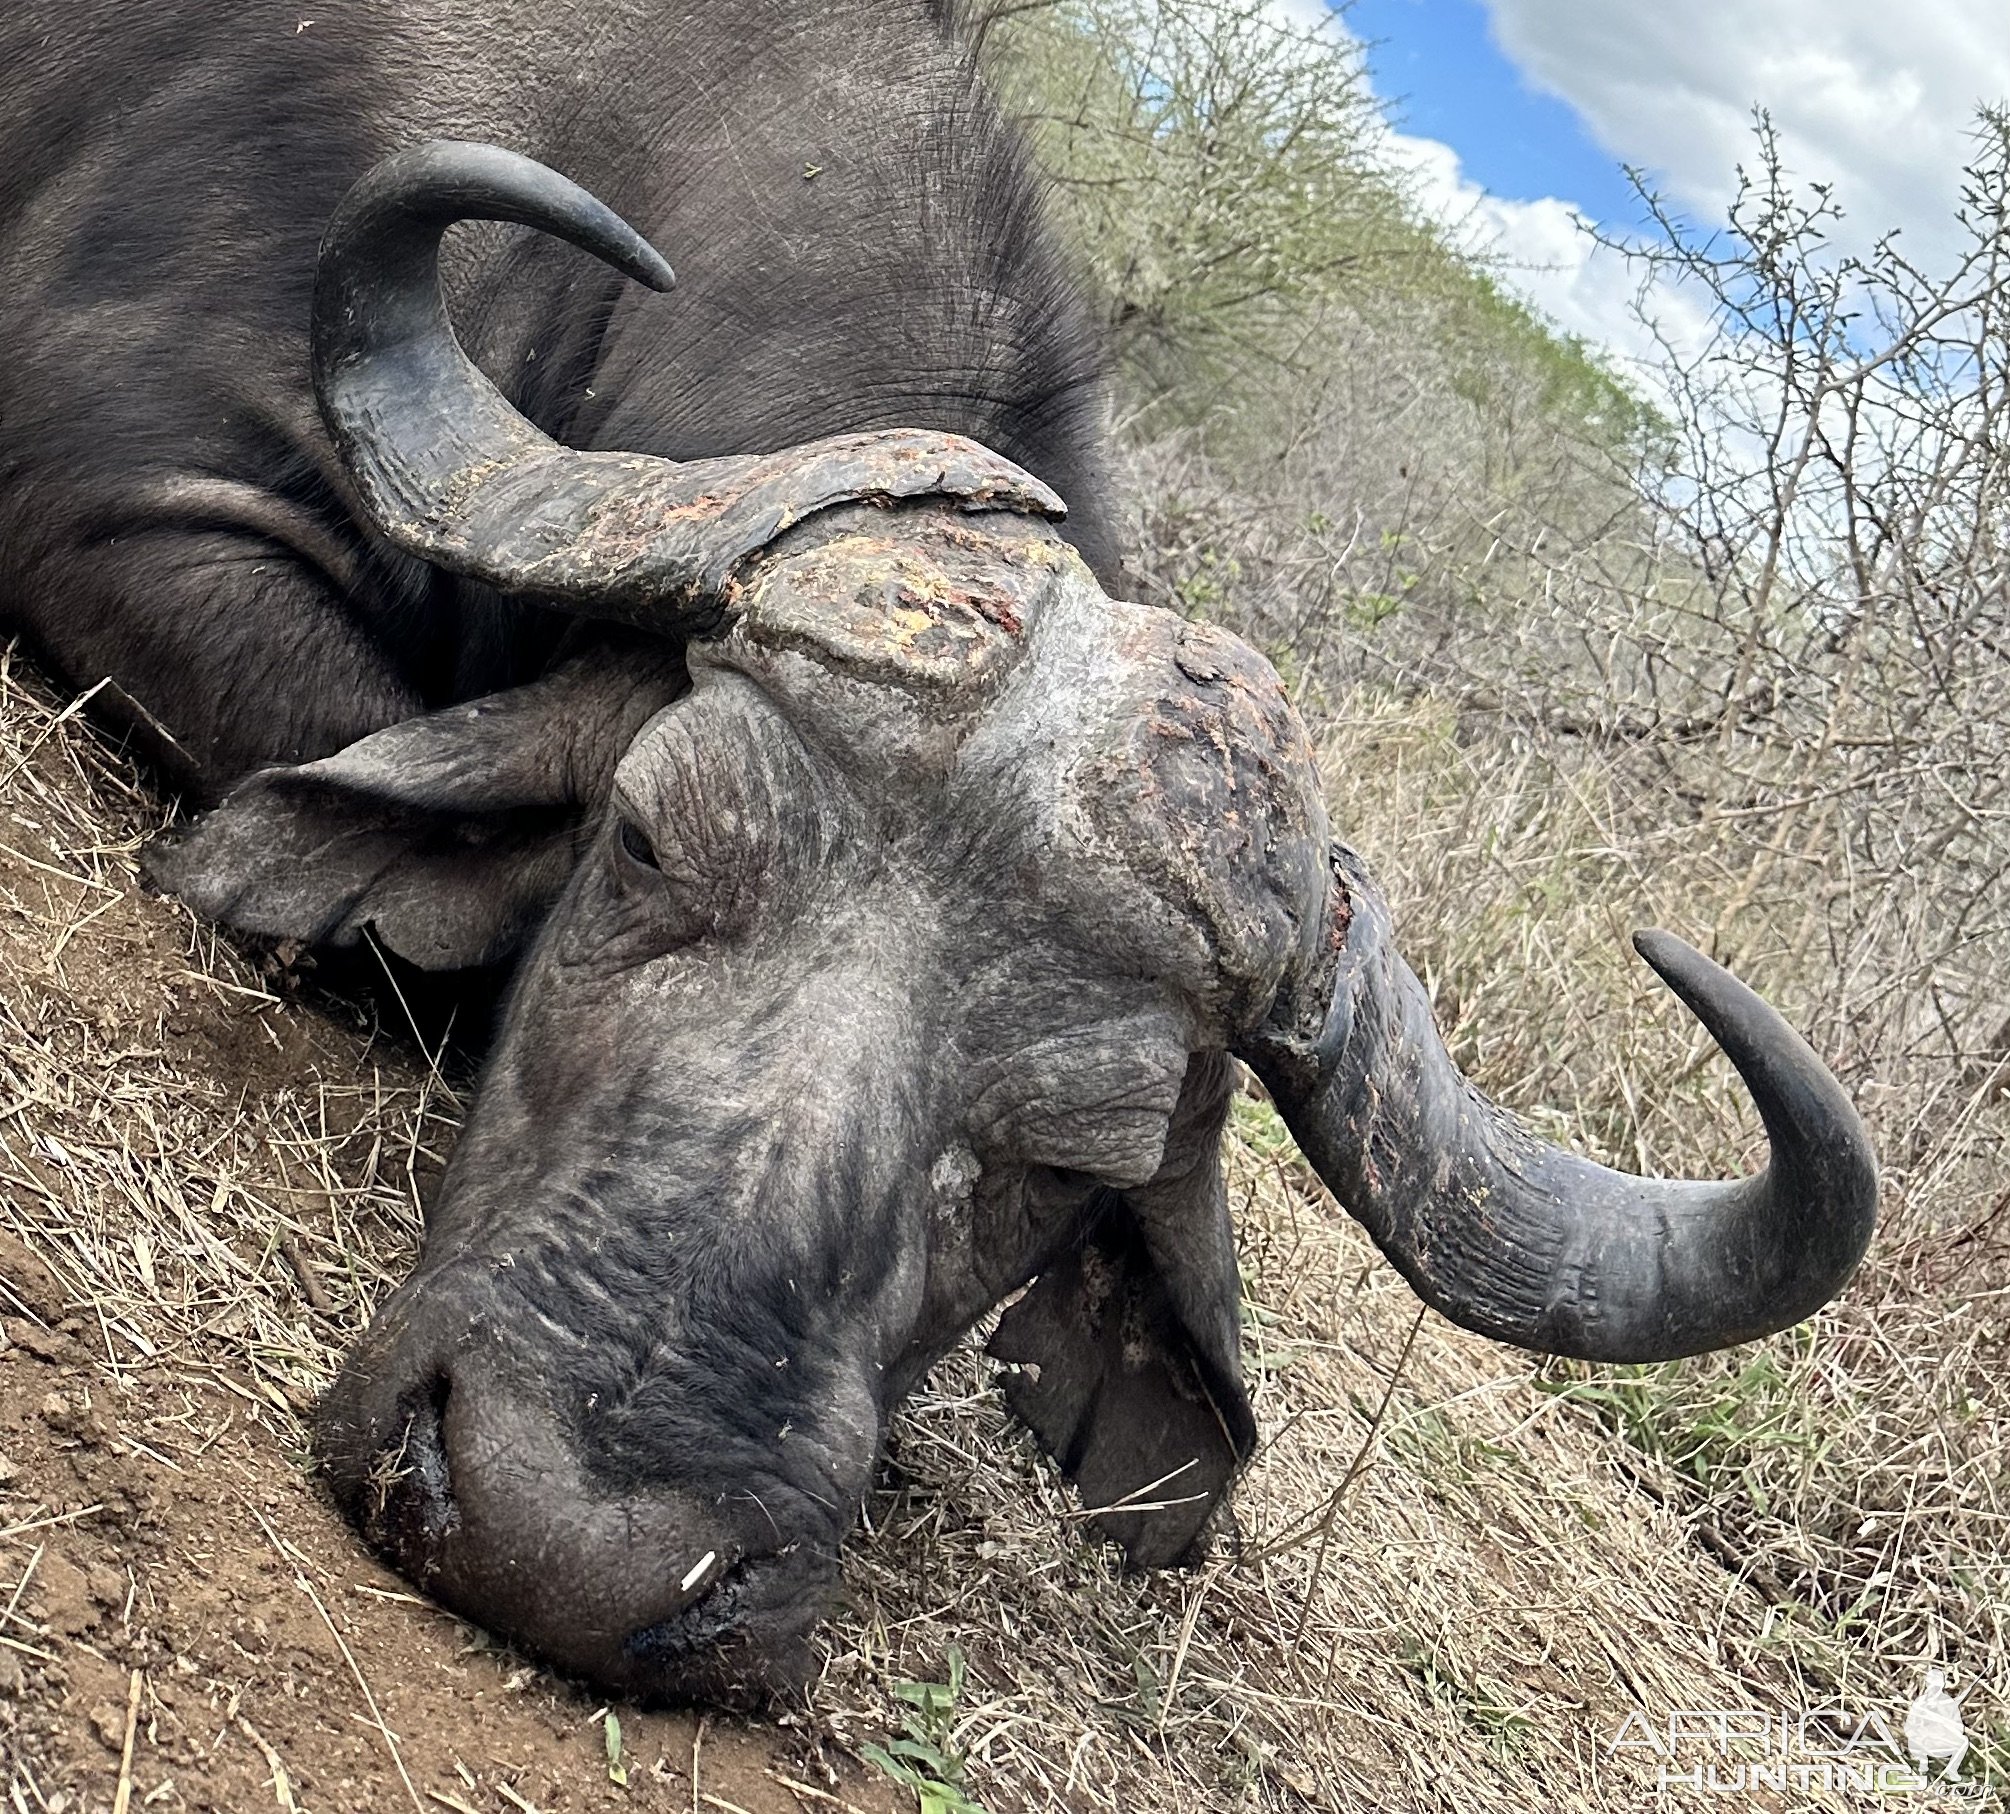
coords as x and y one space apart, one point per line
635 844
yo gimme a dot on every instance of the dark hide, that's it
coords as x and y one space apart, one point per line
171 513
883 914
1129 1372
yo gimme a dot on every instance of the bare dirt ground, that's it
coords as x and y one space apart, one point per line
1446 1588
186 1621
197 1624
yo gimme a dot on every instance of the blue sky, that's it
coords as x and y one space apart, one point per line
1436 62
1515 116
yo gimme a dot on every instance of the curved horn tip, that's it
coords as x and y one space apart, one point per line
652 270
1718 999
468 179
1675 960
1786 1076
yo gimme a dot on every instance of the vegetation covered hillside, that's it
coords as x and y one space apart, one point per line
1733 662
1342 419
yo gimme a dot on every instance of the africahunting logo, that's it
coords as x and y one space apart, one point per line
1747 1750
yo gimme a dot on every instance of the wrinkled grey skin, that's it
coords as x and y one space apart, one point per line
872 991
886 900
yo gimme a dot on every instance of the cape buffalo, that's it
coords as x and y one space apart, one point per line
886 899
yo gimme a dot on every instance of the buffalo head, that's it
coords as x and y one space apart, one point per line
889 903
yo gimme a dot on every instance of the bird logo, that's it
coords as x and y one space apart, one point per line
1933 1726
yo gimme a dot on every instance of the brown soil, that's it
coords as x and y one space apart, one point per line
1448 1586
173 1573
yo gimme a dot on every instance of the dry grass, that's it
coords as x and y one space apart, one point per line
1454 1572
1853 1472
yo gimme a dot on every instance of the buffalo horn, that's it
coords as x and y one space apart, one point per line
1530 1244
450 472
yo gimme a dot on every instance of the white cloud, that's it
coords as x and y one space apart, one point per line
1877 96
1542 250
1308 16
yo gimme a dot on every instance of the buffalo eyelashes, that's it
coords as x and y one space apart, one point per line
635 844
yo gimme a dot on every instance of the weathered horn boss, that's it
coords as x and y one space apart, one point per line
1500 1231
450 472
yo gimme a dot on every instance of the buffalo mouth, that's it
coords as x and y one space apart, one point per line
746 1639
465 1479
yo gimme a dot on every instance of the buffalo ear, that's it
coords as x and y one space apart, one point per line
1128 1347
450 835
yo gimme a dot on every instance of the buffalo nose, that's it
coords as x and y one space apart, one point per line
468 1482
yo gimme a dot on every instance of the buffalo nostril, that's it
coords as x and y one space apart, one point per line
470 1481
408 1501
